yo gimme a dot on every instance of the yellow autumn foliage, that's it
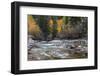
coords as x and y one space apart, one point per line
51 23
33 28
59 25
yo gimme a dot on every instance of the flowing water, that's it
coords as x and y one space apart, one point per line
57 49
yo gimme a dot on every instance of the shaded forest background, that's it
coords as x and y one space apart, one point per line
43 27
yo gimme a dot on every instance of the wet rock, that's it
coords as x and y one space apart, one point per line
57 49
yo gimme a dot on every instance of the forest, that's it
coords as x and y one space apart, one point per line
57 37
57 27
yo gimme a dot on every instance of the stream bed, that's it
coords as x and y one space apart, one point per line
57 49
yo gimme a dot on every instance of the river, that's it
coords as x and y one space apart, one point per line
57 49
